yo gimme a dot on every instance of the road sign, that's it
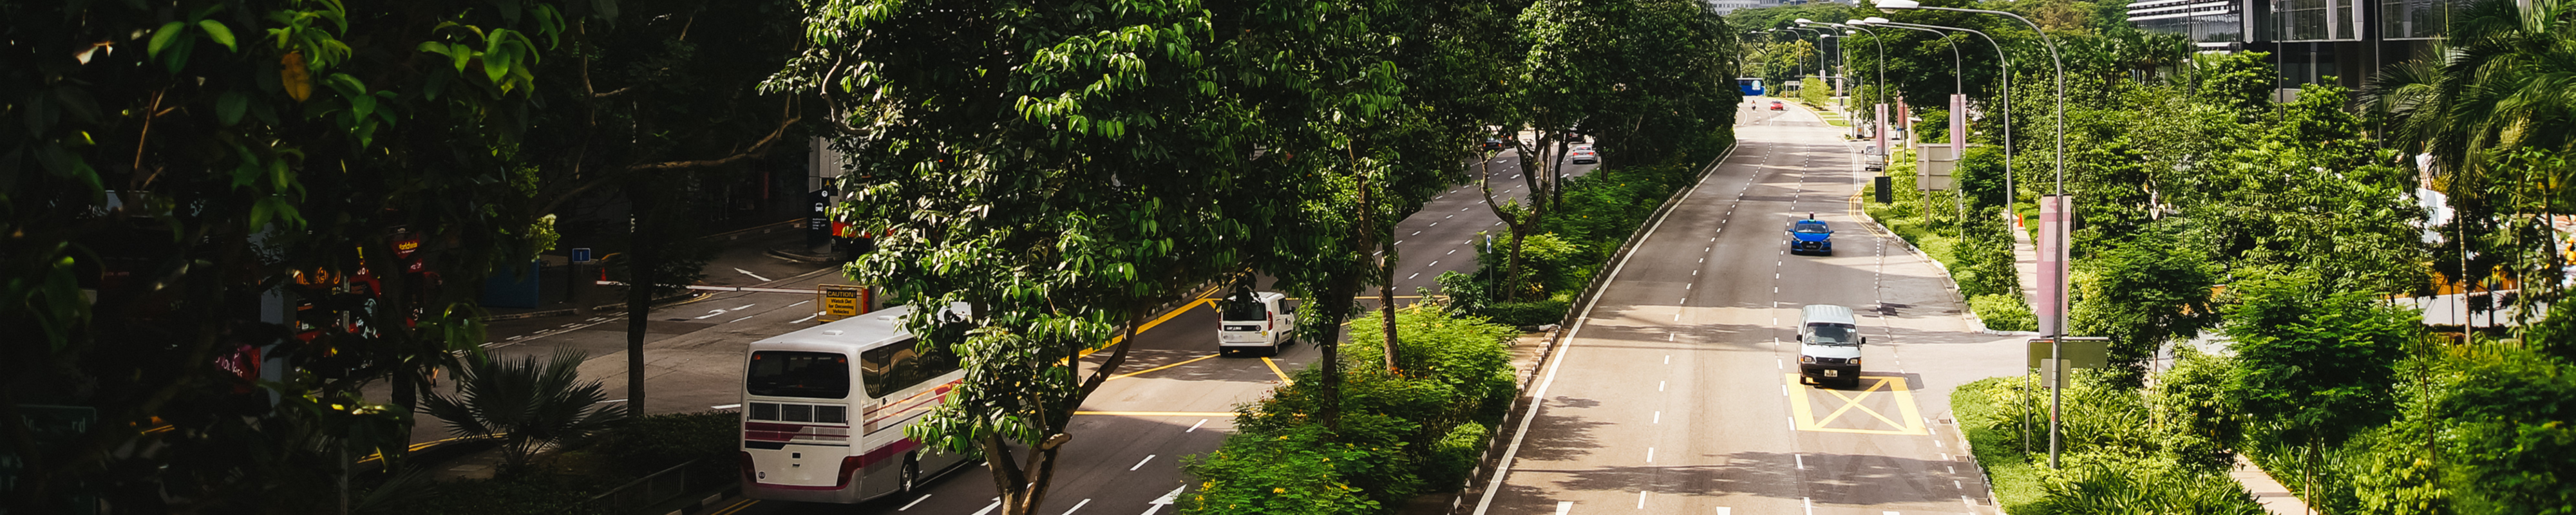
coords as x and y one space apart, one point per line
581 254
842 301
2092 352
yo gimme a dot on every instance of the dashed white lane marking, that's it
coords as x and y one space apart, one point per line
1641 499
1668 359
1077 506
742 319
732 406
1659 386
800 303
1195 427
997 503
807 317
1722 510
1650 451
907 506
1650 455
1809 503
1415 274
1141 463
1564 506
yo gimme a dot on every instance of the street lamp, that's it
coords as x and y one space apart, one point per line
2005 62
1882 67
2057 286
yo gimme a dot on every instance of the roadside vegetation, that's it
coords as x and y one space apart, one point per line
2247 251
1400 433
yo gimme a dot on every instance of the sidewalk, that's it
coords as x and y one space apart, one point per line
2276 499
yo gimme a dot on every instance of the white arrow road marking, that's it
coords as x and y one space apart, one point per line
712 312
754 276
1166 500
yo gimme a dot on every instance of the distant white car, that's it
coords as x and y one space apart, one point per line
1582 155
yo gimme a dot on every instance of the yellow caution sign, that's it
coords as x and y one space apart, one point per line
842 301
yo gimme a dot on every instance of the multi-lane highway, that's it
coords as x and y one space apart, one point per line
1660 402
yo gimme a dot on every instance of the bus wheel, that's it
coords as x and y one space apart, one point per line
911 472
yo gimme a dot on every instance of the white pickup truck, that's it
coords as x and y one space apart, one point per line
1254 321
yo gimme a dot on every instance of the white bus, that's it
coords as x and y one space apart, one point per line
811 434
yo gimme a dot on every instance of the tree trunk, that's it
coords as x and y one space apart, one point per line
640 283
1382 274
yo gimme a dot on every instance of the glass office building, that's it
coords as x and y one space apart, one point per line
2310 41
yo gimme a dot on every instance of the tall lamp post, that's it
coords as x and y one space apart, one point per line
2004 62
2057 286
1881 83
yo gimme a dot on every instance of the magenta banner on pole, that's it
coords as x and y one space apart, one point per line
1882 132
2051 304
1958 126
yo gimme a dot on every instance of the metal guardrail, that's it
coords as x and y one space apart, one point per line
646 491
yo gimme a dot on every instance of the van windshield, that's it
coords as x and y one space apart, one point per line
1834 334
1240 308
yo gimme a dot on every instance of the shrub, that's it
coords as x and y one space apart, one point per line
2004 312
1455 456
1293 473
648 444
1529 313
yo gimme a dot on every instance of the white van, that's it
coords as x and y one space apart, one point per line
1829 343
1254 321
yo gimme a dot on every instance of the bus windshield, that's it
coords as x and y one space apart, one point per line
896 367
1834 334
818 375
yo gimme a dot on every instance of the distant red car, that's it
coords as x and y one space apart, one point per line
1776 106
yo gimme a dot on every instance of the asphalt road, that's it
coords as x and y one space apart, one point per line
1659 402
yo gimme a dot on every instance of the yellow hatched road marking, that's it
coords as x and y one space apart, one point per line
1806 418
1185 362
1274 368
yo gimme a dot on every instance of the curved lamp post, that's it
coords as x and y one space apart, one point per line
2057 286
1882 64
2005 61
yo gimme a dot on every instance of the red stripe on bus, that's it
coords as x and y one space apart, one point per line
872 457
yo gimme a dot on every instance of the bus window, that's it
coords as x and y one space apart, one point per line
819 375
896 367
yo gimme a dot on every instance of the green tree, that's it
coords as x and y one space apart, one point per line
2145 293
1057 167
166 171
2315 366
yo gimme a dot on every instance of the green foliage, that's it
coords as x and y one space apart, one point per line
1529 313
2004 312
2197 405
1934 127
2510 433
651 443
1814 92
1298 472
1396 436
2120 454
2316 366
525 404
2144 294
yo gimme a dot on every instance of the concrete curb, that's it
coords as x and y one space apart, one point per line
620 307
798 257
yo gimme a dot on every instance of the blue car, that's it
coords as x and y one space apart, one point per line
1811 236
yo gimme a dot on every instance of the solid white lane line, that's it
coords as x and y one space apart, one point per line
1195 427
907 506
1141 463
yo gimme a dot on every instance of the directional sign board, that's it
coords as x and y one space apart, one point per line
842 301
2080 352
581 254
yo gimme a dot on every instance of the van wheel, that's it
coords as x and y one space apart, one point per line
911 472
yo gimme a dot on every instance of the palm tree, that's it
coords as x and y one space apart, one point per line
525 404
2493 96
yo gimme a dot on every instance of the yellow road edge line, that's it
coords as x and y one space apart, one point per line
1274 368
1149 326
737 506
1159 413
1191 360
